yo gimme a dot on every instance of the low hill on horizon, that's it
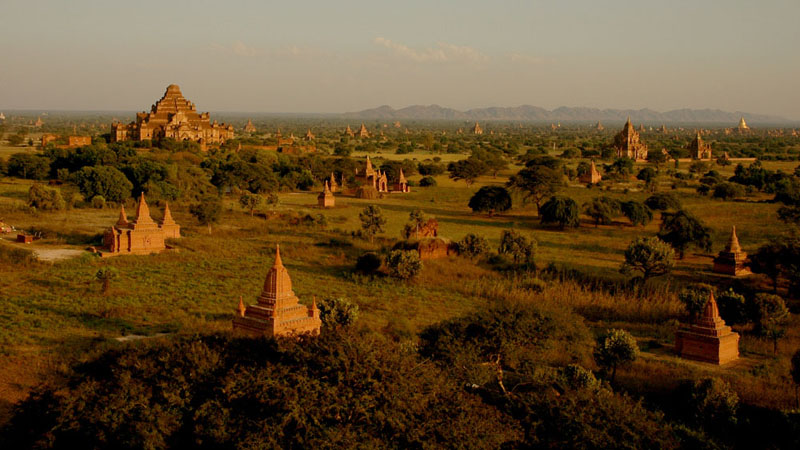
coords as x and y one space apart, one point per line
530 113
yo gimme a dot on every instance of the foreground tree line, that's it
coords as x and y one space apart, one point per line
511 376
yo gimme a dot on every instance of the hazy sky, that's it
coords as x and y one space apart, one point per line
337 56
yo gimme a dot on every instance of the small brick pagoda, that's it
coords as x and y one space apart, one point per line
142 236
277 311
732 260
402 184
592 176
325 199
708 339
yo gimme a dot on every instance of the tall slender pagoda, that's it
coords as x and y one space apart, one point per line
732 260
278 311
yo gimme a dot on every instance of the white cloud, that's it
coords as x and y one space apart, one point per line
443 52
239 48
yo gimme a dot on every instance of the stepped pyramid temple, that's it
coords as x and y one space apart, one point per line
699 149
628 144
143 235
249 128
592 176
708 339
325 199
731 260
477 129
278 311
372 177
172 117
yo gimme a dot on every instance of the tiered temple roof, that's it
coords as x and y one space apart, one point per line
707 338
278 310
173 117
628 143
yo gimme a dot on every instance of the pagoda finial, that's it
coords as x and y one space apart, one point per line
733 243
314 303
123 217
711 310
241 307
278 262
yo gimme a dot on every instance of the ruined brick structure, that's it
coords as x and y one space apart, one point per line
142 236
732 260
592 176
79 141
278 311
173 117
628 143
699 149
708 339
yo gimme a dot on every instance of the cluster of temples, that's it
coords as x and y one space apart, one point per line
379 181
173 117
277 311
628 143
143 235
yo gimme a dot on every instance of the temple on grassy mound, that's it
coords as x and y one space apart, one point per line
628 144
172 117
278 311
708 339
143 235
732 260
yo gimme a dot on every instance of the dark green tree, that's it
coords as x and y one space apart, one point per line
490 199
649 255
561 211
637 213
104 181
682 229
614 349
207 211
372 221
536 183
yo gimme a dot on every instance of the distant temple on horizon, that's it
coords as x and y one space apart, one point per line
628 144
173 117
699 149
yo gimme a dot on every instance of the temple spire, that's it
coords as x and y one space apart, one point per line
143 212
167 220
278 261
733 243
242 309
711 310
123 217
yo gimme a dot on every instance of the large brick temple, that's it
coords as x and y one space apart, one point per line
278 310
172 117
628 143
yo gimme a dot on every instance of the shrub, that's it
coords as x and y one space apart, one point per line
663 201
337 312
45 199
649 255
518 247
427 182
473 245
28 166
579 378
98 202
727 191
614 349
712 404
694 298
369 263
490 199
733 307
403 264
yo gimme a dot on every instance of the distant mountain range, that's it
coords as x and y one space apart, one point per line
528 113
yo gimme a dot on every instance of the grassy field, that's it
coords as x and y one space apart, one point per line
54 313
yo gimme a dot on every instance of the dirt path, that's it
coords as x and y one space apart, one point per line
56 254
